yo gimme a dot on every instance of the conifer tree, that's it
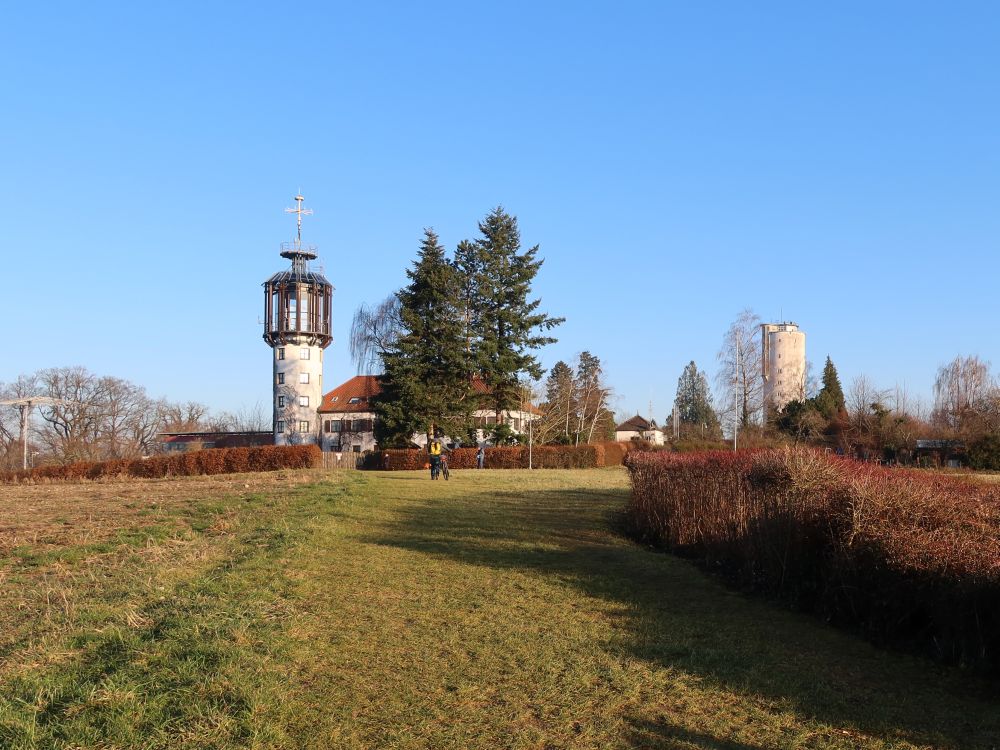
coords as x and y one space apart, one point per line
425 385
830 400
694 402
506 325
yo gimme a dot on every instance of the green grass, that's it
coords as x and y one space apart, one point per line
496 610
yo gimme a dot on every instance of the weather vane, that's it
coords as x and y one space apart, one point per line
300 212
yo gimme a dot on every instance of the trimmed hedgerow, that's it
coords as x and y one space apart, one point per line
909 558
542 457
214 461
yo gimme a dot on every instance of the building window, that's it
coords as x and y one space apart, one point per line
346 425
303 427
303 401
281 378
304 377
281 426
281 352
335 425
281 402
355 400
356 448
303 353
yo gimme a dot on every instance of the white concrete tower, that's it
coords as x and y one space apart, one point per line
297 327
783 363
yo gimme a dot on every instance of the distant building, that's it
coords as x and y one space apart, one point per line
639 428
347 418
783 364
179 442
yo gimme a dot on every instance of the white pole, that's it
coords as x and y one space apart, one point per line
25 411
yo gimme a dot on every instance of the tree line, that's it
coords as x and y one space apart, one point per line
866 421
102 417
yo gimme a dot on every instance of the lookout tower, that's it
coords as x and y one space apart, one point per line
297 327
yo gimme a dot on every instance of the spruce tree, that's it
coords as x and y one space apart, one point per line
830 399
425 385
694 402
505 325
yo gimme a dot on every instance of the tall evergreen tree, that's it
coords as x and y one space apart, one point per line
830 400
425 385
506 325
694 402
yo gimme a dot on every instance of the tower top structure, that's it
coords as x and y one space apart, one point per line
298 300
295 250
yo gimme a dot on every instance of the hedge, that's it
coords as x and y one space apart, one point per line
542 457
909 558
213 461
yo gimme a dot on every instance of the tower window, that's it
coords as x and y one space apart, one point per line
303 401
281 352
303 377
281 378
281 426
303 427
303 353
281 402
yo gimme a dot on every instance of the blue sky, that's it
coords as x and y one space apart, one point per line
837 165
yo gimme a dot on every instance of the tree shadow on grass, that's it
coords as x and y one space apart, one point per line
680 618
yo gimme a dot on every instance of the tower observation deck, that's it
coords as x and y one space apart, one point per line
297 301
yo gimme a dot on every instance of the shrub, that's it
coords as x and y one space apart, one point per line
503 457
909 558
215 461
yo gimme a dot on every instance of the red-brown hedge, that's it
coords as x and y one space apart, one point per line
908 557
542 457
214 461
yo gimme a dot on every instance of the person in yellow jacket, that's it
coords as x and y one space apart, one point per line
434 449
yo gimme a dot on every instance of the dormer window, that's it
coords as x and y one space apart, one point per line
355 400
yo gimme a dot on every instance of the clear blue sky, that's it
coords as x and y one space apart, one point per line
833 164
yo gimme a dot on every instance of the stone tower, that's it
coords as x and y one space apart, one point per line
783 363
297 327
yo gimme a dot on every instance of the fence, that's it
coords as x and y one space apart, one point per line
342 460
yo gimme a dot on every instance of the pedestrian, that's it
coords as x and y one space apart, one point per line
480 457
385 461
434 449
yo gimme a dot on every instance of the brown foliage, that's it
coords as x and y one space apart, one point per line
542 457
907 557
215 461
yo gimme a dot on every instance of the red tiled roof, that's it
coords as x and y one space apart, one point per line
364 387
361 387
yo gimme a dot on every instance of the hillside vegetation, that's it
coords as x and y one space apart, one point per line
355 610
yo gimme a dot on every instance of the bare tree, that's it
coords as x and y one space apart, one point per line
964 393
10 420
739 379
373 332
591 396
97 418
189 416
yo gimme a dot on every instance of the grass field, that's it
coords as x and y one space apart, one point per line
369 610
